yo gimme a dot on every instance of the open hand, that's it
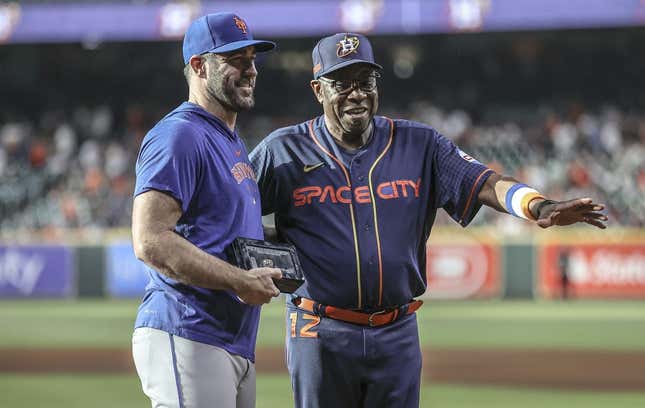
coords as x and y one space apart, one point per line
570 212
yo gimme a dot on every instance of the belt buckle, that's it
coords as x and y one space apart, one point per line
370 321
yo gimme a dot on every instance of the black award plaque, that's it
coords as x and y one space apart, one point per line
249 253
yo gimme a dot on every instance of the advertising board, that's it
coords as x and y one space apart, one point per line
614 270
126 276
463 270
36 271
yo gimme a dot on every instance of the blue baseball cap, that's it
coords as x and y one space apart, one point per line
341 50
218 33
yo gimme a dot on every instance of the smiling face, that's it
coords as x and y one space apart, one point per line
231 79
348 114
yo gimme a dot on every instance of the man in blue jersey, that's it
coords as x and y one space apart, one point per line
357 195
195 192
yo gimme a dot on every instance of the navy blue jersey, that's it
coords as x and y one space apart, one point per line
192 156
360 220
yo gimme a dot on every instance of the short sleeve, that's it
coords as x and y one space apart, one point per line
459 178
262 161
169 162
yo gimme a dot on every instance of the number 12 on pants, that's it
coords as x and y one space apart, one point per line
312 321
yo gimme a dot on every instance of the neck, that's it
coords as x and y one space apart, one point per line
214 107
349 140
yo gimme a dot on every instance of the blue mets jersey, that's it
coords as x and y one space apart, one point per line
360 219
192 156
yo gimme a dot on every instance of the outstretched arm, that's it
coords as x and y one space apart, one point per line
505 194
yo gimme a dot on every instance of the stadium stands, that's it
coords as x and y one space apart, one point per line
78 171
548 107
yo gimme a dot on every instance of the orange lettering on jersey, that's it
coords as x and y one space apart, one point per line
416 186
384 190
362 195
387 190
339 195
328 191
304 195
299 198
395 191
404 186
314 191
242 171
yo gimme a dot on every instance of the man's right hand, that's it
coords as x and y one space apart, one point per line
257 286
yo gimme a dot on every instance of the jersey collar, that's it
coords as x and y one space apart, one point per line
192 107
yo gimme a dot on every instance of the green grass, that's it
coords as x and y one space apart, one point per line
576 325
67 324
521 324
69 391
618 325
274 391
459 396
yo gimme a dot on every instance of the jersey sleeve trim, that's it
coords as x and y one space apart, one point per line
162 188
464 219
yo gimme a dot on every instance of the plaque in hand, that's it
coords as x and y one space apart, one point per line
249 253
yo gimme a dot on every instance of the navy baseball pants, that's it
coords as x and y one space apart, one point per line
343 365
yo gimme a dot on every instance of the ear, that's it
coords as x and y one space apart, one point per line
198 65
316 87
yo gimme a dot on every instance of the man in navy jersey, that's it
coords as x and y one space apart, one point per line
195 332
357 195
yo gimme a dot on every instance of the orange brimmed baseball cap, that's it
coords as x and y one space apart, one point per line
218 33
341 50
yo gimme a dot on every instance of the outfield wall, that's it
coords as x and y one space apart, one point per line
461 264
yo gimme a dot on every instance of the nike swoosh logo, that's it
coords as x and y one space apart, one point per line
311 167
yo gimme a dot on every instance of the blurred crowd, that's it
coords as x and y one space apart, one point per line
565 153
76 169
69 171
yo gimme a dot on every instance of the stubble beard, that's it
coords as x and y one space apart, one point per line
224 92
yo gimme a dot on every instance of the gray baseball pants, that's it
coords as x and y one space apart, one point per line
179 373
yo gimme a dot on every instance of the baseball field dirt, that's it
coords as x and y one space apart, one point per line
565 369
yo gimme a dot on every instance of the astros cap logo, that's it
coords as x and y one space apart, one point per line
346 46
240 24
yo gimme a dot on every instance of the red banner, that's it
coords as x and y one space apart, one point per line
463 271
592 270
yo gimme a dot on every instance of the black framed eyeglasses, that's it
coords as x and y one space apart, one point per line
343 86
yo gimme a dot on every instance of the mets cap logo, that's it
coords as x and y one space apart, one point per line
346 46
240 24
